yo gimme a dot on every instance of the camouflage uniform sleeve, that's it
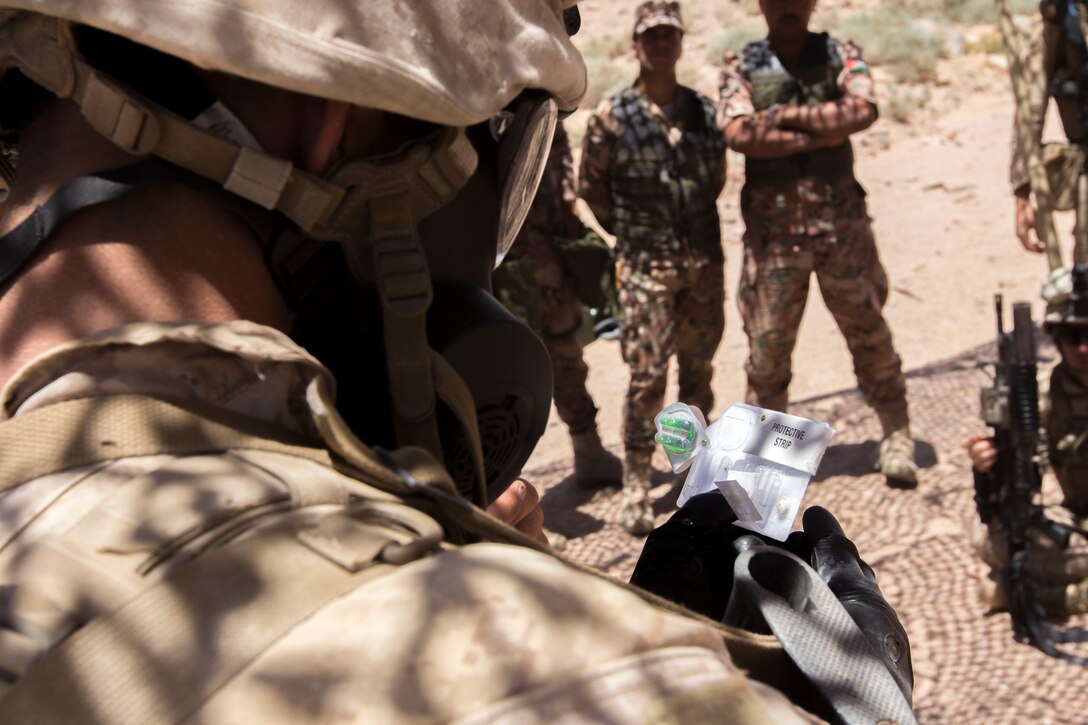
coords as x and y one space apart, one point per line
598 150
1036 81
734 91
856 78
571 226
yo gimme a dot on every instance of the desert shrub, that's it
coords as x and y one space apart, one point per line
605 69
605 78
727 12
611 47
989 42
965 11
908 48
733 39
901 102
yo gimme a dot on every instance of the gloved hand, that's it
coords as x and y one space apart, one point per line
689 560
852 581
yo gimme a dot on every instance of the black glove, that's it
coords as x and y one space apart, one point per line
689 560
852 581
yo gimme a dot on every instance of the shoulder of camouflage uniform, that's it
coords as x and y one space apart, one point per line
756 54
849 54
604 116
730 66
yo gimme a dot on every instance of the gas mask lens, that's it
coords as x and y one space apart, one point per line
524 134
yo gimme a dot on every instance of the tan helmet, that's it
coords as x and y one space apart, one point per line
492 75
452 63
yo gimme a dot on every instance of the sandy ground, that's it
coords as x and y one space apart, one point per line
944 222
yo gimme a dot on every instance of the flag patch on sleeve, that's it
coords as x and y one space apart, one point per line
856 65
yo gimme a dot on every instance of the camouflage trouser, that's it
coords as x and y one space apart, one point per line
560 318
773 290
1050 568
669 310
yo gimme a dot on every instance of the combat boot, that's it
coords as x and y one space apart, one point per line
556 540
1076 599
896 457
991 593
594 465
636 513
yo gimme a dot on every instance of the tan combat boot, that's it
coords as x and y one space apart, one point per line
1076 599
896 457
637 514
556 540
991 593
594 466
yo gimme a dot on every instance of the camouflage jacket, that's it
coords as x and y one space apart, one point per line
653 180
755 78
1066 422
1063 161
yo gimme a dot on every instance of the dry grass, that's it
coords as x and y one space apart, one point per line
906 47
901 102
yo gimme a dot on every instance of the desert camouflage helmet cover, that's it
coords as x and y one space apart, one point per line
1066 293
453 62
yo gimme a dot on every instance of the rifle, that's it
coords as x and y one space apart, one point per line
1006 495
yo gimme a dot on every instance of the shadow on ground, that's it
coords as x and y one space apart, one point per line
858 459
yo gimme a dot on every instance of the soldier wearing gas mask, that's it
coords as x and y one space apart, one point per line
199 522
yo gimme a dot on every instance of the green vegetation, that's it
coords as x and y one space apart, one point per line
606 78
908 48
727 13
989 42
733 39
606 46
964 11
605 72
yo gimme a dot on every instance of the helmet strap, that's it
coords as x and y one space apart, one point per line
387 196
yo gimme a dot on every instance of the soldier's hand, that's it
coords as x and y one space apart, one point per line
836 560
1026 230
689 560
519 506
982 452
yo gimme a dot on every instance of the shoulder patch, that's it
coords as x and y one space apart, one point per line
851 57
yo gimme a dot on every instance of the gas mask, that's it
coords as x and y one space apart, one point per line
418 234
386 260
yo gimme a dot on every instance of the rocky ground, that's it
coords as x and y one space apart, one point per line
943 217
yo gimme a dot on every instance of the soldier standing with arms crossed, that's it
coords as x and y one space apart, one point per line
653 165
789 103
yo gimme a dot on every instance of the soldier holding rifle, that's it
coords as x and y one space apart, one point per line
1057 567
